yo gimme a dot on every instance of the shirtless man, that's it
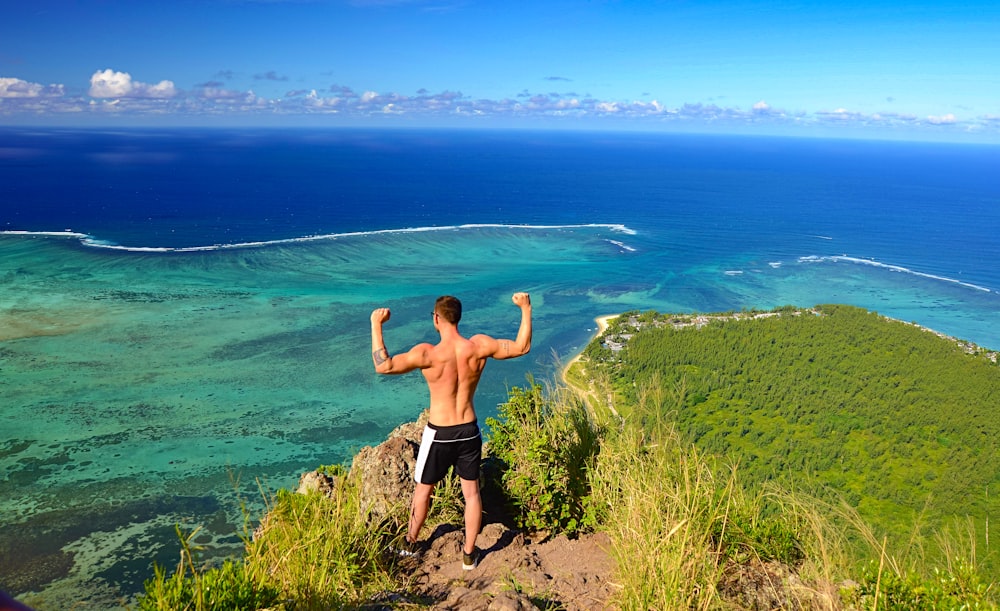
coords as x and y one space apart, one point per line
452 368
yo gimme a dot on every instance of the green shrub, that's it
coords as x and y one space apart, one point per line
676 517
546 448
746 534
658 499
959 587
447 501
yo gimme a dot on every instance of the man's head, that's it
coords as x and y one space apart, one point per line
448 308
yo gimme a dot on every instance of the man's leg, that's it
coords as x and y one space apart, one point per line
418 510
473 513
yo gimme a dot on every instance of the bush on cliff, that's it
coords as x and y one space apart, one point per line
687 531
545 449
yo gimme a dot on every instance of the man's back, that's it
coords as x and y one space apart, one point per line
452 378
453 366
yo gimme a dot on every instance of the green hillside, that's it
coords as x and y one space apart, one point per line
898 421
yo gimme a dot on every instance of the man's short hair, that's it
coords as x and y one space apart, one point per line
448 308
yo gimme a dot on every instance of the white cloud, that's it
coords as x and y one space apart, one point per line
17 88
111 84
948 119
163 89
314 101
762 106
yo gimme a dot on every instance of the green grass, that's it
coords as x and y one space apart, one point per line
310 552
229 586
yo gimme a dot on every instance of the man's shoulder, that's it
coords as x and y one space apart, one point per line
484 345
422 347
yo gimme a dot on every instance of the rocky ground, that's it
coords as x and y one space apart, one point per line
518 572
515 572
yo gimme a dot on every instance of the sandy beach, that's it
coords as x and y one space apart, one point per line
602 322
602 325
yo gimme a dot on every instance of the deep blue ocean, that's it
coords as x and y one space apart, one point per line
927 207
175 303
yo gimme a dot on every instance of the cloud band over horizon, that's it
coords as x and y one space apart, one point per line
116 93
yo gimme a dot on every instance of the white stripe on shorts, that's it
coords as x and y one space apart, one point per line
425 448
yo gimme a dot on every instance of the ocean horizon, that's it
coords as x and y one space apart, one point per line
185 312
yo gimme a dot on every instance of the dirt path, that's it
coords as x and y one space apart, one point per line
515 572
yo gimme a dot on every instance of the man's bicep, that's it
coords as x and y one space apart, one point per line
496 348
416 358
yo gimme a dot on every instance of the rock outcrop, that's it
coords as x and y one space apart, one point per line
384 472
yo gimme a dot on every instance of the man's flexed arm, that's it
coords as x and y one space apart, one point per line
508 349
401 363
379 354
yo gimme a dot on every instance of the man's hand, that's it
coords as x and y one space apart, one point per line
521 300
380 315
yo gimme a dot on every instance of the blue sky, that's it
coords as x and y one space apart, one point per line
875 69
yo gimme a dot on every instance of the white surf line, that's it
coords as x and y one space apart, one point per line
88 240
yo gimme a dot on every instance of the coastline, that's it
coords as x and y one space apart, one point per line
602 326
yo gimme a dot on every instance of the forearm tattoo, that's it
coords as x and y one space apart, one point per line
380 356
506 347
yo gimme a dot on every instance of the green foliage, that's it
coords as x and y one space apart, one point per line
748 533
228 586
657 501
958 588
546 450
447 501
677 518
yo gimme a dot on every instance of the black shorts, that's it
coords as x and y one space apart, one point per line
460 446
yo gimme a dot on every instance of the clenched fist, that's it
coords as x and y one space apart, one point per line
521 299
380 315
